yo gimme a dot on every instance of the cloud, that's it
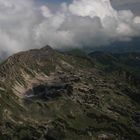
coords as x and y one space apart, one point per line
17 20
82 23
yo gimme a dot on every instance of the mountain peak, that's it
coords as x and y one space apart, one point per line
46 48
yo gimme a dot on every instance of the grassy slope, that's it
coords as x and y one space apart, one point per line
128 63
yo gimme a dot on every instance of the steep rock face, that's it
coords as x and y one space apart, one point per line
30 62
45 94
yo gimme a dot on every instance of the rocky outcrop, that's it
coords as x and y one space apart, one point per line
49 91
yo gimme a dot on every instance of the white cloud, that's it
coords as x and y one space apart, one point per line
83 23
46 11
17 20
100 8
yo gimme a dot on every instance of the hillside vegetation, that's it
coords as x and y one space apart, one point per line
50 95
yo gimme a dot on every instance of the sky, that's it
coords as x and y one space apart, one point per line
66 24
118 4
133 5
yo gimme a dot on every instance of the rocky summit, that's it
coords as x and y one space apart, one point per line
50 95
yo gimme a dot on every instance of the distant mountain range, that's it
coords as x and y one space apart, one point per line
51 95
121 47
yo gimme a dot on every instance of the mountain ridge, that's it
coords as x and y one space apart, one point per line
50 95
